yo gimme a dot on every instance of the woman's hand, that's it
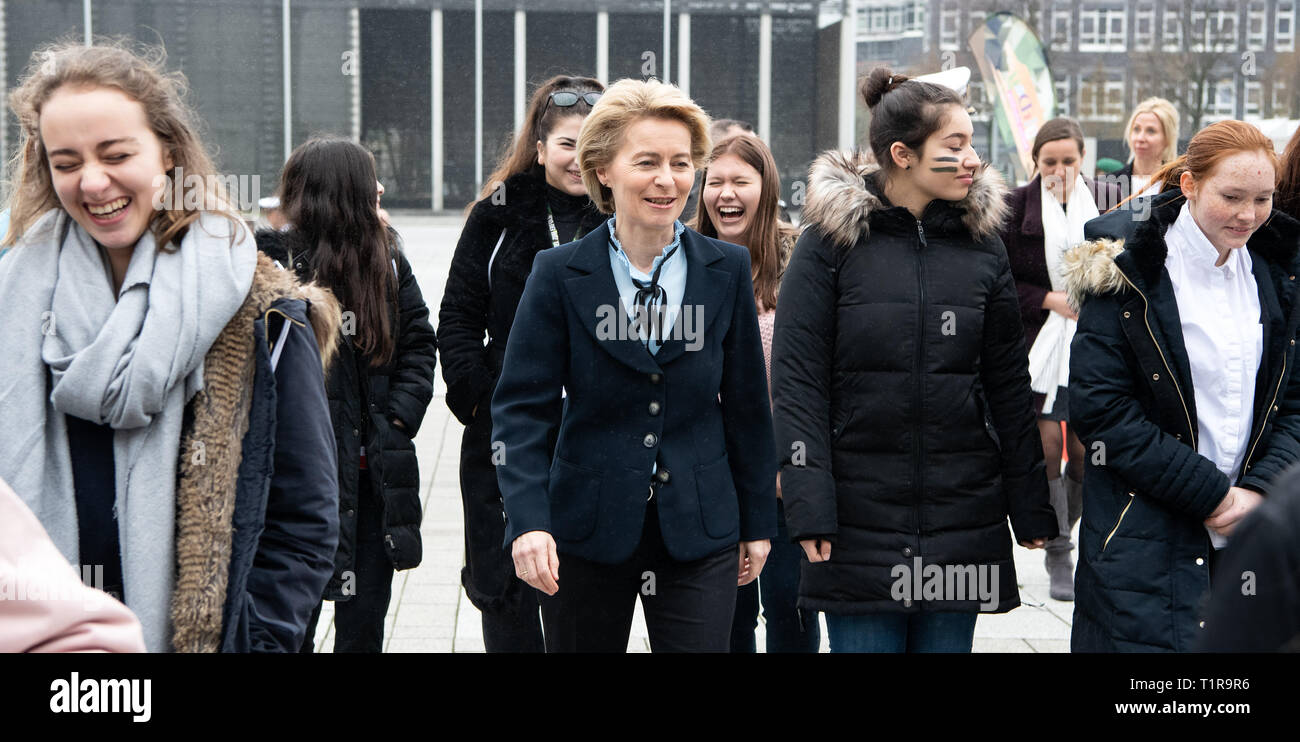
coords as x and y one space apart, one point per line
536 561
1058 302
1235 505
1037 543
753 555
818 550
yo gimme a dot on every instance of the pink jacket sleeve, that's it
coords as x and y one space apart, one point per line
44 607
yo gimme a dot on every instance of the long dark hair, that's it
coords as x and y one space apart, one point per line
765 231
539 120
328 193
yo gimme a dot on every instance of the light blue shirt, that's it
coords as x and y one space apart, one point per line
672 278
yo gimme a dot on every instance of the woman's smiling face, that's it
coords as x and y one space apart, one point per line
731 195
106 164
651 174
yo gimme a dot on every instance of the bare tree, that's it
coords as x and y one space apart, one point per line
1194 51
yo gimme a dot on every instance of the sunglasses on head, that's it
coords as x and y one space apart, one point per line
568 98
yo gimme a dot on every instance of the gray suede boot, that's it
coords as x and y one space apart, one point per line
1073 500
1060 567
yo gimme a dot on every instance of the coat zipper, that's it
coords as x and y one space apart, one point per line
917 444
1246 462
1146 310
1123 513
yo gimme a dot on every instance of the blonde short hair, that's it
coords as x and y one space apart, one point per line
623 104
1165 112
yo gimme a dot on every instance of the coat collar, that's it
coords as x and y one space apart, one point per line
841 201
593 295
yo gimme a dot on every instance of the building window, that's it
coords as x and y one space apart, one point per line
914 17
1101 29
1061 30
1218 100
1285 26
1281 99
1062 86
1213 30
1254 99
949 20
1101 96
1257 27
1144 21
976 19
1172 28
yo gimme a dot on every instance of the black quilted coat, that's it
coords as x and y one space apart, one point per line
901 390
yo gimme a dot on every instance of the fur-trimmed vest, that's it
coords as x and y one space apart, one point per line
901 392
211 492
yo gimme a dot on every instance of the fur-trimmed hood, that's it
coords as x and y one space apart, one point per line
271 283
842 197
1093 268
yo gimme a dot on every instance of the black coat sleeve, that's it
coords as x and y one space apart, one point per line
803 352
746 415
410 387
1109 419
463 317
295 555
1004 374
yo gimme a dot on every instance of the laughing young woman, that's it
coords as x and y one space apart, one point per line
163 394
741 204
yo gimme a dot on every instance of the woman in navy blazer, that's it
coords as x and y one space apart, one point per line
640 343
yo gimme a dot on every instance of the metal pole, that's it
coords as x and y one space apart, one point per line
478 94
288 81
668 40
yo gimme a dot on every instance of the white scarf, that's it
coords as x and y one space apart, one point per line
131 363
1049 359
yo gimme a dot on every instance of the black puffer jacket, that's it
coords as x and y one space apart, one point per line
901 388
1144 553
363 401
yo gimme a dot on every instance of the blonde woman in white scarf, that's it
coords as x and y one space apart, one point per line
1047 218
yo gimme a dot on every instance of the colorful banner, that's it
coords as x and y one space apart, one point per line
1017 80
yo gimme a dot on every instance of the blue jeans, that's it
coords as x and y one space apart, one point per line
901 632
779 588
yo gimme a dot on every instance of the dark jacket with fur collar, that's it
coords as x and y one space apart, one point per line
1144 563
256 497
364 400
902 401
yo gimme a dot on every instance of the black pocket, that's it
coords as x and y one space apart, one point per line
574 492
719 506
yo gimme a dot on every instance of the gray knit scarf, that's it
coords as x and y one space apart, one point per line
69 349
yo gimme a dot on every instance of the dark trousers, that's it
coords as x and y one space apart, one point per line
688 605
510 618
359 621
779 587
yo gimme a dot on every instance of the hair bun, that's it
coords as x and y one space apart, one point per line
879 81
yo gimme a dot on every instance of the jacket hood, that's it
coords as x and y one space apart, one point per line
271 283
1090 268
840 203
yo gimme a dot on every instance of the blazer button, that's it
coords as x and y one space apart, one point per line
650 440
655 378
907 551
1200 561
350 513
654 408
356 432
664 475
1155 377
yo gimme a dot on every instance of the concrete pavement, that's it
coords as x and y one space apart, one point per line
430 612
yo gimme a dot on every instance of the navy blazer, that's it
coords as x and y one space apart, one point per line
699 408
